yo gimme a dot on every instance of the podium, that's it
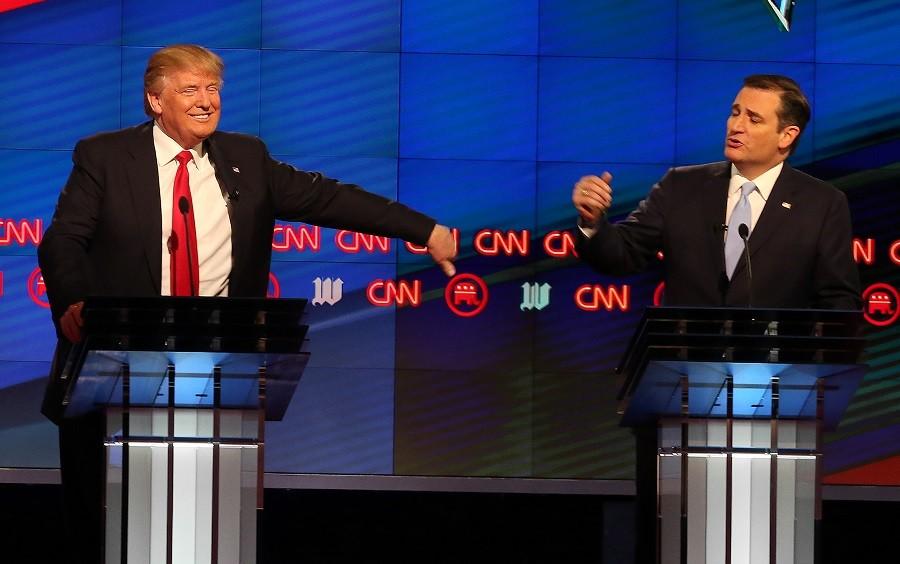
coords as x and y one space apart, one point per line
740 399
186 385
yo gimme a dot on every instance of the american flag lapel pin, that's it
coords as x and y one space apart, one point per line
786 205
236 169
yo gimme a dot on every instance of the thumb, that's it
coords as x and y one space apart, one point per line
606 177
447 267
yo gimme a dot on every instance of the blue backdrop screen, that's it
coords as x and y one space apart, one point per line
482 114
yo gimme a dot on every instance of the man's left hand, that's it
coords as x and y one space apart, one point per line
442 249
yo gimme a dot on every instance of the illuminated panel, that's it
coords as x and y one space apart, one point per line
571 432
29 333
378 175
60 94
330 104
345 330
341 420
29 440
211 23
857 32
240 96
706 91
587 28
471 26
630 183
856 107
32 184
468 107
505 199
97 22
499 338
463 423
744 31
326 25
629 119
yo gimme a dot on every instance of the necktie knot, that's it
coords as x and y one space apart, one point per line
184 158
747 188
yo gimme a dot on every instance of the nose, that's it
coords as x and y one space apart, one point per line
203 99
736 123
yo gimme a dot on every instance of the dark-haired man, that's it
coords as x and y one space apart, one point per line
799 235
174 207
799 227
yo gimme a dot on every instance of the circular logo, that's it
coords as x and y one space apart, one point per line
880 304
274 290
466 295
36 290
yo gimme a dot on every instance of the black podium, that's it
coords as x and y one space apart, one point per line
740 399
186 385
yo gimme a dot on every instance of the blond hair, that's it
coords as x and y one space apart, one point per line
178 57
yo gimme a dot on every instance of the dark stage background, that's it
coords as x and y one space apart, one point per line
482 114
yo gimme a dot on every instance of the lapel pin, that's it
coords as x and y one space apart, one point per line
786 205
236 169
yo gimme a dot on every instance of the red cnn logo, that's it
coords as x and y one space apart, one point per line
8 5
36 290
384 293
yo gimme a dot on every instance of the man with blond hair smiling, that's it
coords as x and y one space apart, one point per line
175 207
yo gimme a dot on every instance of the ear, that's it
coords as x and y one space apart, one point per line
153 100
788 135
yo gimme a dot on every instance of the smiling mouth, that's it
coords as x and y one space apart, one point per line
200 117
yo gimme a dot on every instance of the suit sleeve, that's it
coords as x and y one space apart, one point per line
63 249
627 247
836 277
313 198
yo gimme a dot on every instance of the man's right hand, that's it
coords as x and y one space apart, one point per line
71 322
592 196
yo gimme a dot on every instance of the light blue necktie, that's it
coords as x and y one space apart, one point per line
734 245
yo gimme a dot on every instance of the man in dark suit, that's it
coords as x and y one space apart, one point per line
114 232
797 229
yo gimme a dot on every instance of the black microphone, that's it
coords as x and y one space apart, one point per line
184 207
744 232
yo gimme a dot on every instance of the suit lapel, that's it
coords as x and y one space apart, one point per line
143 180
715 198
231 186
773 216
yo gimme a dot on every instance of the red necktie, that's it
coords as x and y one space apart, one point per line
183 265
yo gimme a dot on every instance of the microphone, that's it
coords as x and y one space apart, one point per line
744 232
184 207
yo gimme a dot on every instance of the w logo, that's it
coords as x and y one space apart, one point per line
535 296
328 291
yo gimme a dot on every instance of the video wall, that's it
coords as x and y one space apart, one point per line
483 115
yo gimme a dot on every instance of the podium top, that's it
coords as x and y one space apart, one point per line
142 340
749 347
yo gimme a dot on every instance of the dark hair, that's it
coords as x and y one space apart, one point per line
794 109
178 57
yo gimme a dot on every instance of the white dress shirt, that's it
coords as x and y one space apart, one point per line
758 198
210 215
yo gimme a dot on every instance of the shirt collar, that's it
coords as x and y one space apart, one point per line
167 148
764 182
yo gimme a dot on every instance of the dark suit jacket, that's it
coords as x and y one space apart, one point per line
800 248
106 233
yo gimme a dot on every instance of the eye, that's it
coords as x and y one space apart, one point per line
212 89
189 91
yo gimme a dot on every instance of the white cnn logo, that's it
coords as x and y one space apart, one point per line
328 291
